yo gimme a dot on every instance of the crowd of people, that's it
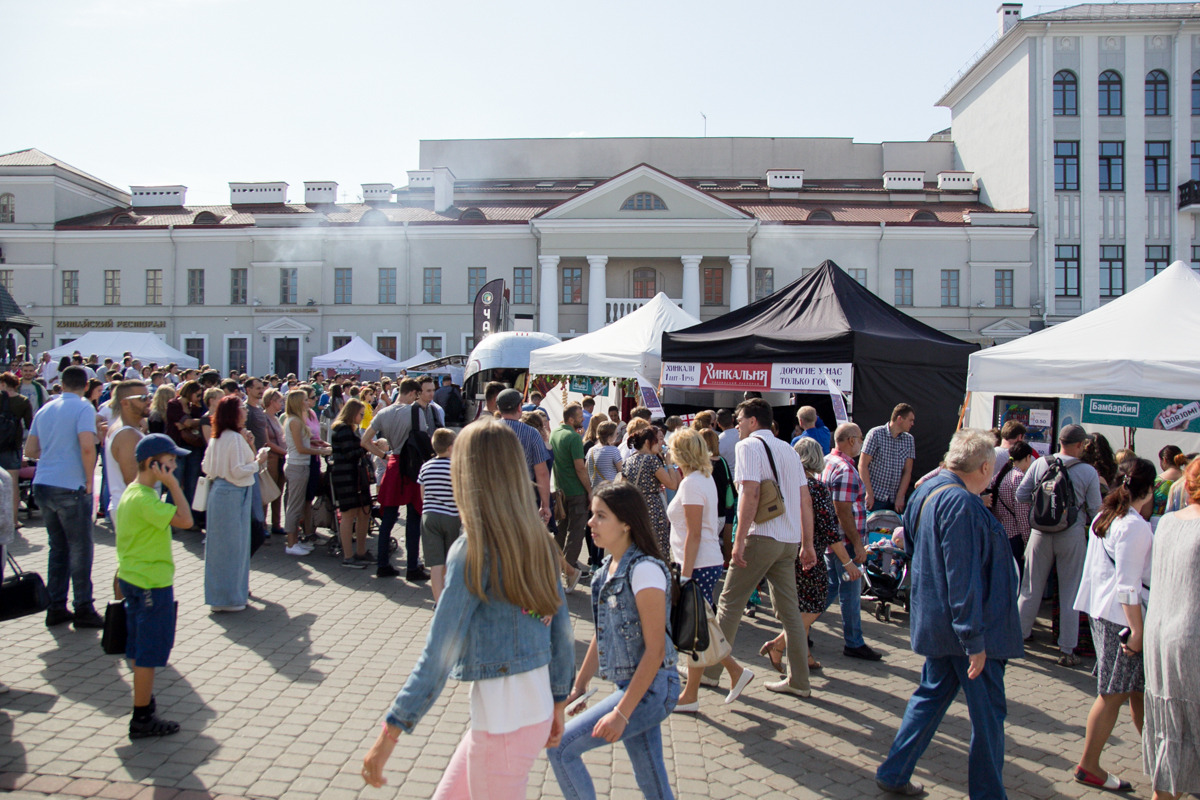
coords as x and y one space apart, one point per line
507 515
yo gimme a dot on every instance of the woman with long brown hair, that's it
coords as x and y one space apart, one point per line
350 481
502 623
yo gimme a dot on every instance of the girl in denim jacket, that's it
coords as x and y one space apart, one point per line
630 648
501 623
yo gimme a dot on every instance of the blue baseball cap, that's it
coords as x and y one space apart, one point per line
155 444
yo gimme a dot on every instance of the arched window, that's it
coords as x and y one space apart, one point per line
8 208
1196 93
472 215
1157 93
924 216
1111 102
206 218
373 217
1066 94
820 215
645 283
644 201
123 219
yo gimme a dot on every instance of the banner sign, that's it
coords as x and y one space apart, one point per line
488 309
649 398
800 378
1142 412
839 404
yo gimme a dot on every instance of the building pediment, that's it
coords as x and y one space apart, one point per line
1006 329
284 325
644 194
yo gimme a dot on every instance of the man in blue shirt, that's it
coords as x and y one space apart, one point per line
63 442
964 618
812 427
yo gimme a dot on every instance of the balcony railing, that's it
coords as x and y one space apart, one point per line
617 307
1189 195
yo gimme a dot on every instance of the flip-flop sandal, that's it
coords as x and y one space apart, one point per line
1111 783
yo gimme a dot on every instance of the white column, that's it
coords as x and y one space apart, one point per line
691 284
548 294
739 281
597 292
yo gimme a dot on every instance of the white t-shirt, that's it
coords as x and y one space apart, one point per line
647 575
695 490
504 705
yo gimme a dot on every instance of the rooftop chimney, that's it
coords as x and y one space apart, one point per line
320 192
1010 15
151 196
440 180
377 192
785 178
242 194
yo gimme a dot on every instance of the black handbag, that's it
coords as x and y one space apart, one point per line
116 632
22 593
689 615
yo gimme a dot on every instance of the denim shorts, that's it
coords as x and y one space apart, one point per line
150 622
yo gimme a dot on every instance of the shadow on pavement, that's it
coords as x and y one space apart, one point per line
283 641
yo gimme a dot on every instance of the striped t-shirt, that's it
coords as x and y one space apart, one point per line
434 478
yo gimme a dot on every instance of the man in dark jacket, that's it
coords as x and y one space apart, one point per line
964 618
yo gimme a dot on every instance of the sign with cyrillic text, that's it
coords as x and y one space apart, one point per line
718 376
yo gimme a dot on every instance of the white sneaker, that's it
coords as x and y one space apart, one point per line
308 548
296 550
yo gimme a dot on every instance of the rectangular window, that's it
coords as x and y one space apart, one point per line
1158 257
194 347
572 285
432 345
859 275
949 288
236 358
1004 288
154 280
468 344
239 286
387 286
386 345
522 285
1066 270
337 342
714 286
1112 270
1158 166
195 278
6 276
1196 257
112 287
1066 166
476 278
1112 166
70 287
1196 161
288 285
343 286
1066 95
904 287
764 282
433 285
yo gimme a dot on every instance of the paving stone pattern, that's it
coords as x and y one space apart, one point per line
283 699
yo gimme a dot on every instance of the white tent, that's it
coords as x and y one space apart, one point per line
423 357
624 349
1142 343
355 354
145 347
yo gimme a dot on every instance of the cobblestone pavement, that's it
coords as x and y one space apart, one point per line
283 699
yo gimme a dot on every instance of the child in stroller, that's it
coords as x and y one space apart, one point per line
886 572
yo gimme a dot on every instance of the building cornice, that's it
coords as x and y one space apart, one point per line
658 226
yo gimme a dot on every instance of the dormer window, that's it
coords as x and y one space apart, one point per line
472 215
924 216
374 217
123 219
8 208
206 218
820 215
644 201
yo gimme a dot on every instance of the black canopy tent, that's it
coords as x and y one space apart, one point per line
827 317
12 318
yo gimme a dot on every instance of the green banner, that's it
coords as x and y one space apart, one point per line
588 385
1142 412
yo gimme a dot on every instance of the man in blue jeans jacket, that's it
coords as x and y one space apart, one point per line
964 618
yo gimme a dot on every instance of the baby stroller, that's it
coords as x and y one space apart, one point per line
886 573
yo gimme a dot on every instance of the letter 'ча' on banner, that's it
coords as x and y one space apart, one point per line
839 405
649 398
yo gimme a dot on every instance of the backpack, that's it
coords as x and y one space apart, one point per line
1053 508
418 447
10 426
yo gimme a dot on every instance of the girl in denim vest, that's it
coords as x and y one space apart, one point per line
630 648
501 623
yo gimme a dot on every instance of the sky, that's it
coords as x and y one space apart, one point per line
204 92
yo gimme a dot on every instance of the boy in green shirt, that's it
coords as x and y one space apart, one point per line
146 573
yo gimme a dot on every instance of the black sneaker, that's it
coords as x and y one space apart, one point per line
58 616
153 726
418 575
86 617
387 571
367 557
353 563
862 651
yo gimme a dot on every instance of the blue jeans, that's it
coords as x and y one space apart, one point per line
104 495
68 516
941 679
187 472
642 738
412 535
850 595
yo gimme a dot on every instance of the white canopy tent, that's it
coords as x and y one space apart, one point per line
145 347
423 357
629 347
355 354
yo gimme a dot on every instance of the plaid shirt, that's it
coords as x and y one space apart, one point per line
845 486
888 454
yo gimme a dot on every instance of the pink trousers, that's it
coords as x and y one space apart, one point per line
491 766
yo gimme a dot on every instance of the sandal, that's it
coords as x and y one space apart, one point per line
1068 660
774 655
1112 783
154 726
814 665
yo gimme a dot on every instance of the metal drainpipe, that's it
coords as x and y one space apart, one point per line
174 262
1047 136
879 258
407 291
